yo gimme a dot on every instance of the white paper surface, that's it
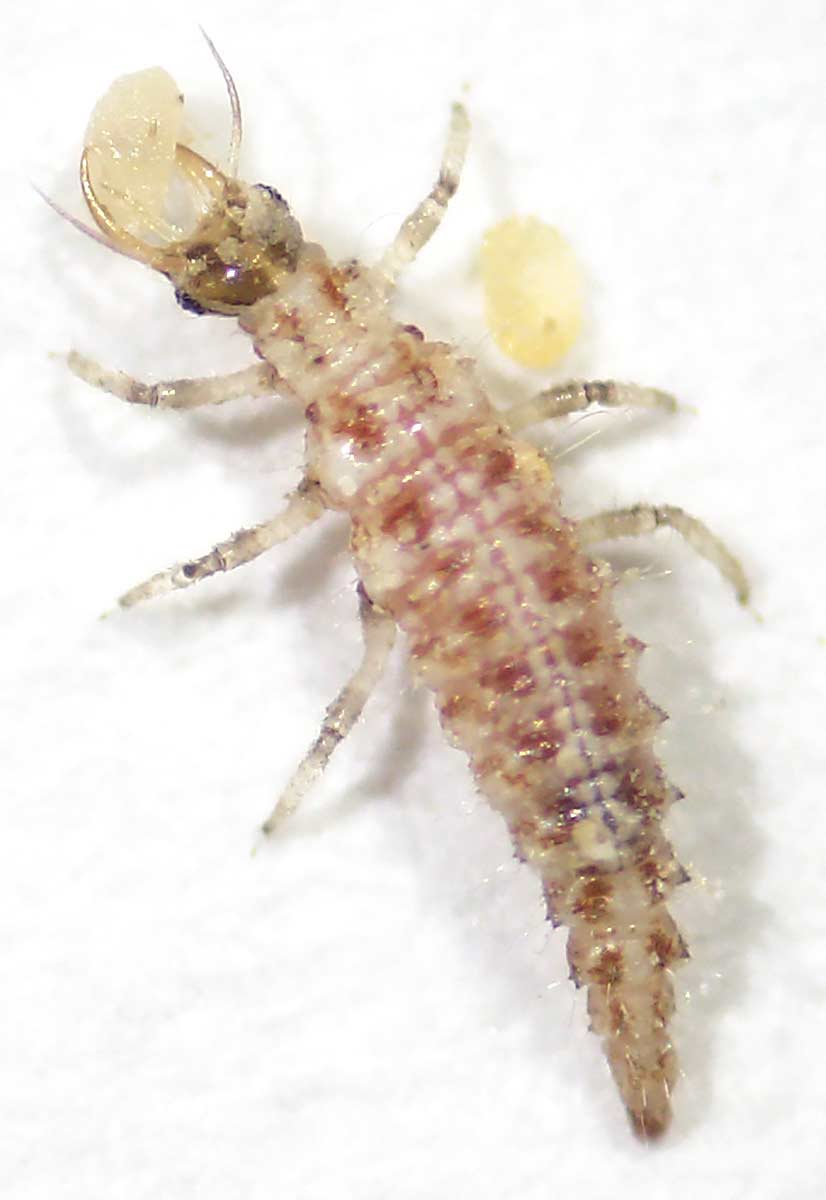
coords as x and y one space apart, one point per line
374 1006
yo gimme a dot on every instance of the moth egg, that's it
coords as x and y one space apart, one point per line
533 290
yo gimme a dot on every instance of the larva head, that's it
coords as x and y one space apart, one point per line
245 242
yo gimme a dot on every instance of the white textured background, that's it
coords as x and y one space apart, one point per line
374 1007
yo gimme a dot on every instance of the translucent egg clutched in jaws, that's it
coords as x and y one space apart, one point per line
130 146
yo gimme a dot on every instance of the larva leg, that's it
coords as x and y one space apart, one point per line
418 228
577 395
645 518
304 506
257 380
379 632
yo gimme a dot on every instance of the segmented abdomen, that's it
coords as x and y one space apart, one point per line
458 533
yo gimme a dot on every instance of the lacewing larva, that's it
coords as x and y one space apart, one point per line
459 539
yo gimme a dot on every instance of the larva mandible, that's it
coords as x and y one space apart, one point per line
458 539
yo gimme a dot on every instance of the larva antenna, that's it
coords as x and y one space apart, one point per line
235 107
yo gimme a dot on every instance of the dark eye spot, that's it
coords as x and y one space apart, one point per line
187 303
271 192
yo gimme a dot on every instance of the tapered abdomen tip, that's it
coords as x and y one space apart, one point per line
645 1082
652 1122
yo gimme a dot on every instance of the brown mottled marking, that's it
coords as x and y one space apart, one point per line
509 676
481 618
535 743
331 286
594 898
556 582
609 969
530 522
666 948
459 706
584 642
641 793
363 425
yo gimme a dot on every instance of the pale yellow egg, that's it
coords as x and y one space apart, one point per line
533 290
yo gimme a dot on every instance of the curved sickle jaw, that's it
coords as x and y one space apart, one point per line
200 172
117 235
